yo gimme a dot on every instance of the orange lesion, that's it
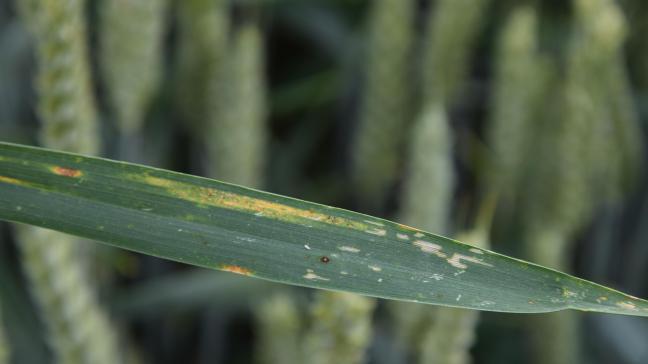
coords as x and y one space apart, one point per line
67 172
273 210
236 269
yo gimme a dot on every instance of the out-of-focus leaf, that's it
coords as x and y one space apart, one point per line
189 290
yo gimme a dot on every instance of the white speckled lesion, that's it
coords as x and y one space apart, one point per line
350 249
476 251
456 259
437 277
627 305
428 247
310 274
568 293
376 231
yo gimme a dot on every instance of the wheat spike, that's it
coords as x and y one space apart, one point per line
203 27
279 328
582 161
78 329
430 172
340 328
437 335
384 114
520 77
452 30
131 51
237 133
66 102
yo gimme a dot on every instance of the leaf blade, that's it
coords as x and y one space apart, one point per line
221 226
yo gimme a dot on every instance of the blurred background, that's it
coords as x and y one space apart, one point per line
517 125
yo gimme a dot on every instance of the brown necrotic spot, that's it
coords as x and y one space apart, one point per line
325 259
67 172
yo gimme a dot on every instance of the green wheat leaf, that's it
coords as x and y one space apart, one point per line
222 226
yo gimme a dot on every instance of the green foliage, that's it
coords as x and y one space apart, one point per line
464 108
4 345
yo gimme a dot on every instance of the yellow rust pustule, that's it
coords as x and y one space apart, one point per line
228 200
235 269
11 180
65 171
